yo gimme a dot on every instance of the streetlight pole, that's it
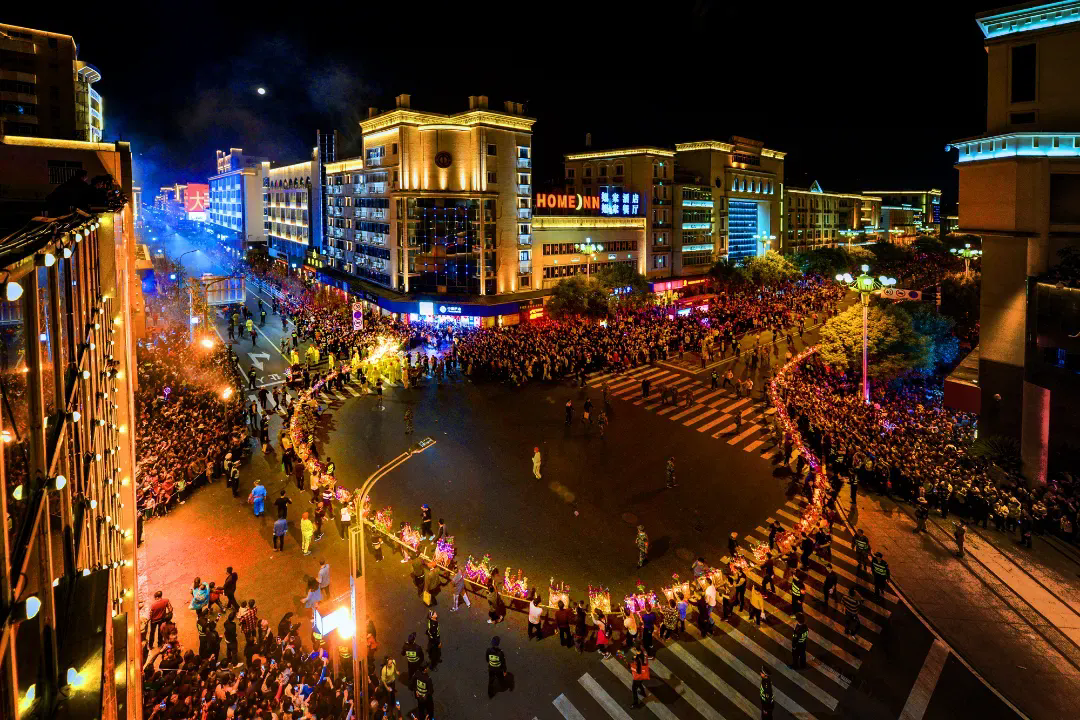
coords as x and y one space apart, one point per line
866 286
968 254
766 242
589 248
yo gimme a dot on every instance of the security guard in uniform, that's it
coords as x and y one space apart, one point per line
881 573
496 665
797 592
414 656
425 691
799 637
861 543
765 690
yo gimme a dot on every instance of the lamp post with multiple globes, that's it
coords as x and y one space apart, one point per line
866 285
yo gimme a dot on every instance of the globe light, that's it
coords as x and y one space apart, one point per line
13 290
865 268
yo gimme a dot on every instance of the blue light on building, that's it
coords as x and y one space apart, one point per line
742 229
614 202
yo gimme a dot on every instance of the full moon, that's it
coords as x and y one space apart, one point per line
261 91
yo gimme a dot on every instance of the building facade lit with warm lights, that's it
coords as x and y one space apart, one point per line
645 175
566 244
1020 191
906 214
45 90
816 218
746 181
294 213
237 202
72 308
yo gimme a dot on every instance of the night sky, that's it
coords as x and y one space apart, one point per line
860 96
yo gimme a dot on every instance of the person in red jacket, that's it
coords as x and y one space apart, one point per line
639 669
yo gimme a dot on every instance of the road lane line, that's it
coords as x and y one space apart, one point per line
919 699
751 709
600 695
685 691
566 708
619 671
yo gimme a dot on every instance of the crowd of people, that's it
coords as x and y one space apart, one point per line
630 337
181 404
906 443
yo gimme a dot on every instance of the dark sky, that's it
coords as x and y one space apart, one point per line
860 96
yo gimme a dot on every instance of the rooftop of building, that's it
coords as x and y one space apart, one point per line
346 165
730 146
816 189
620 152
931 191
1027 17
513 118
6 29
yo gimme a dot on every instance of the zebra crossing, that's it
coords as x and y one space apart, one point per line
716 677
738 421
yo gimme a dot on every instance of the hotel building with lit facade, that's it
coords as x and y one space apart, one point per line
816 218
1020 192
906 214
237 203
45 90
293 209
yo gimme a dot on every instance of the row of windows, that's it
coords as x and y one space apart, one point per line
660 170
562 271
572 248
751 185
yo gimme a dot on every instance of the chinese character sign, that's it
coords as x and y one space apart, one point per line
621 203
197 198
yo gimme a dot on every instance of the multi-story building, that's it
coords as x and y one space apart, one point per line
905 214
294 217
746 180
1020 191
45 90
237 211
816 218
346 207
642 173
447 199
72 309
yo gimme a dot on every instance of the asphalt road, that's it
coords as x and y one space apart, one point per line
576 524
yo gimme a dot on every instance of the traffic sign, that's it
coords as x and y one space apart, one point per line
892 293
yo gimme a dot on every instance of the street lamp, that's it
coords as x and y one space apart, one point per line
766 242
588 248
968 254
866 286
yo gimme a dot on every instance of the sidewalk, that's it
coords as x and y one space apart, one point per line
1011 613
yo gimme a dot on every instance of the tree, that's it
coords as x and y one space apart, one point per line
258 259
858 255
624 276
726 271
960 300
937 330
826 262
771 268
930 245
894 348
578 296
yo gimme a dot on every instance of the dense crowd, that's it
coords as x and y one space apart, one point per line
181 406
631 337
906 443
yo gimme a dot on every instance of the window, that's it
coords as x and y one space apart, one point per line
393 148
1023 73
618 169
603 171
523 255
570 173
492 179
491 149
588 172
659 261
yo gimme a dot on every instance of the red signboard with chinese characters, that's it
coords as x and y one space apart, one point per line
197 198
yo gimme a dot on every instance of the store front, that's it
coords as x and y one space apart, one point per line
439 313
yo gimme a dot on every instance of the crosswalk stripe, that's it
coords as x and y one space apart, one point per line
768 454
632 382
685 691
566 708
717 421
600 695
740 667
811 612
666 410
815 637
619 671
754 445
352 392
743 435
685 412
713 679
737 403
698 418
339 396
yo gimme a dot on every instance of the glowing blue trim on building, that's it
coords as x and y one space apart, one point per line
697 248
1018 145
697 226
697 203
1038 17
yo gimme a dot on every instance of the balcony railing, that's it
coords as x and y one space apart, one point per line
524 213
524 239
523 163
524 189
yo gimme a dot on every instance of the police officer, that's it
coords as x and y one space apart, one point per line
262 318
766 692
434 636
881 573
796 592
425 691
496 665
414 656
233 476
798 642
642 543
862 549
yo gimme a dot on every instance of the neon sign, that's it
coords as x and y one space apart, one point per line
615 202
553 201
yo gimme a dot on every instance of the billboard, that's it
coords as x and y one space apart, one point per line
197 198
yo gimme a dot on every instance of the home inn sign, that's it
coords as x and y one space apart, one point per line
553 201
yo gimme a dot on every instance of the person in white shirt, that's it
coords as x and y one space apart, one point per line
710 599
536 612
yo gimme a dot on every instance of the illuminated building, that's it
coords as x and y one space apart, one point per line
645 173
45 90
816 218
236 199
71 311
566 244
448 197
294 213
1020 191
905 214
136 205
746 181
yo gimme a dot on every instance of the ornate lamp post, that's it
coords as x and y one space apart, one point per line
866 286
968 254
766 242
588 248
